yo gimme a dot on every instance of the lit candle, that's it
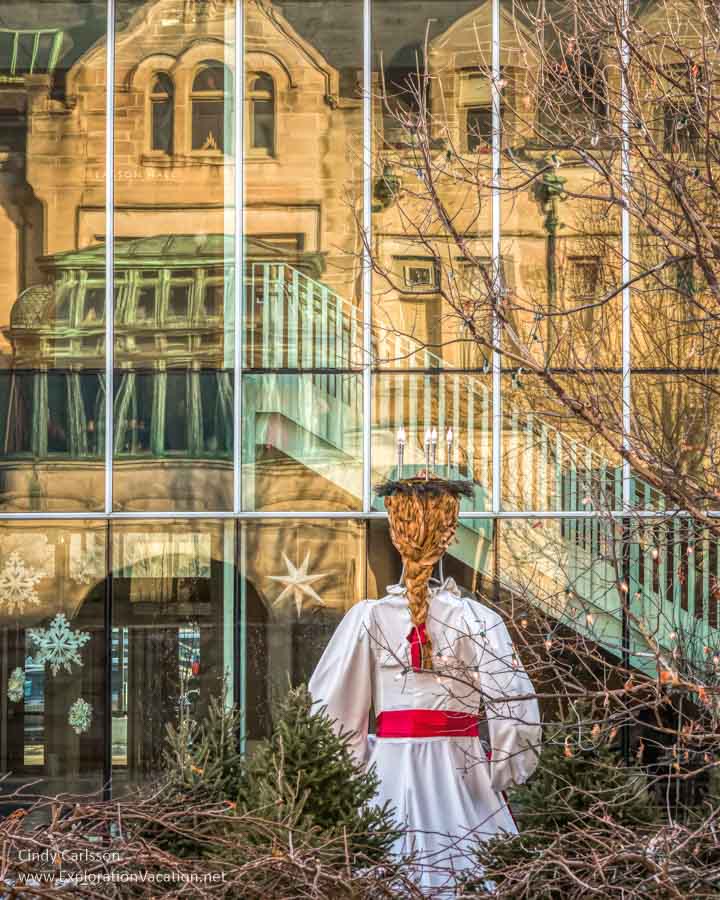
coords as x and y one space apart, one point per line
428 438
400 450
449 440
433 442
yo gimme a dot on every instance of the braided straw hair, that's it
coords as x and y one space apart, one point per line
423 518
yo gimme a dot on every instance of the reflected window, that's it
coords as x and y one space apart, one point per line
216 395
62 304
681 122
262 113
681 129
476 100
17 396
135 402
685 278
161 110
177 421
419 273
585 280
478 128
93 305
179 301
57 405
145 305
214 299
211 108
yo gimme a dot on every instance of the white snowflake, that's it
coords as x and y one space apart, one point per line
16 685
17 584
59 644
80 716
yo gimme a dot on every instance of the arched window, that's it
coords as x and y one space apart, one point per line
161 110
211 102
262 112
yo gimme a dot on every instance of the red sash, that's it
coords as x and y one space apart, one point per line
425 723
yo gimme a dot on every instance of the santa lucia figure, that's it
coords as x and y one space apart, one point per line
430 662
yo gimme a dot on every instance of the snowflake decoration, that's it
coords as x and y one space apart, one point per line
87 558
17 584
16 685
80 716
59 644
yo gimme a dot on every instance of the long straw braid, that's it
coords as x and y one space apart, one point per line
421 528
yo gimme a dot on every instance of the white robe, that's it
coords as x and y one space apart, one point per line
445 791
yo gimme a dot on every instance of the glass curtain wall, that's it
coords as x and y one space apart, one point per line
314 225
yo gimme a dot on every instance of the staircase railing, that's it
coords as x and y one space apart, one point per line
300 323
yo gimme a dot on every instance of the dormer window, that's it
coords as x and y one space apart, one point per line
262 113
212 108
476 113
161 113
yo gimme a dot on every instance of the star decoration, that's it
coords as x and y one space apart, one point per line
59 644
298 584
17 584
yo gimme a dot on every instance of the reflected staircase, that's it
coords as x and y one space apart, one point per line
295 324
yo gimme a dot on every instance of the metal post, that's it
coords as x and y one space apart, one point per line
626 272
109 249
109 389
238 252
366 261
496 261
626 386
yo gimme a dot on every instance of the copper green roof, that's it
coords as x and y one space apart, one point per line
163 250
32 307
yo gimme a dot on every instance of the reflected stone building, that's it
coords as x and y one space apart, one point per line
214 539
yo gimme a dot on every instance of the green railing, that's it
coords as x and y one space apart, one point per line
28 52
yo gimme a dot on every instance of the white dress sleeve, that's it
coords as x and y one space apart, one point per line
513 713
342 680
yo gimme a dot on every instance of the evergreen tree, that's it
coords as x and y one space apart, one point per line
203 760
579 784
302 780
306 773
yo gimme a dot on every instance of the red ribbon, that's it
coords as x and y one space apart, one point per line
420 723
417 637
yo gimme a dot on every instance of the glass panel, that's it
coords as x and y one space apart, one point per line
52 340
172 634
431 183
302 442
457 406
303 189
174 276
675 350
561 265
552 458
675 422
299 578
52 656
